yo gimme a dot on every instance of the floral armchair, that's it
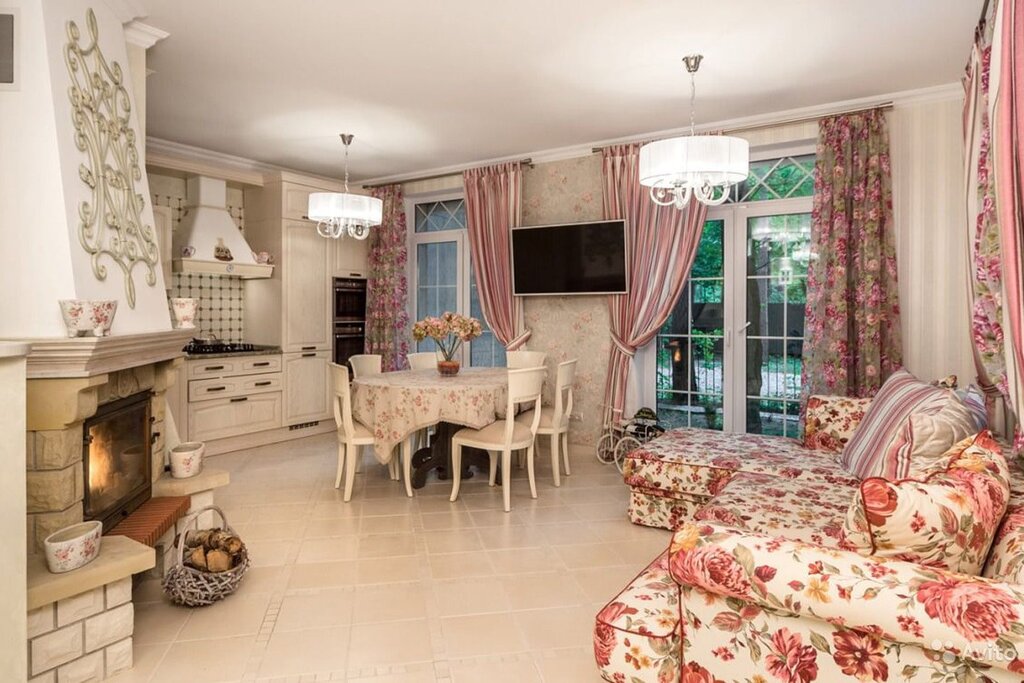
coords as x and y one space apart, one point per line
751 604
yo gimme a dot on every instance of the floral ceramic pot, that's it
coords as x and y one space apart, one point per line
85 317
187 459
448 368
185 310
73 547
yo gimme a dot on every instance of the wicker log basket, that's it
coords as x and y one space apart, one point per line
191 587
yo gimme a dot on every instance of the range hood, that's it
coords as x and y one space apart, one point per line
207 240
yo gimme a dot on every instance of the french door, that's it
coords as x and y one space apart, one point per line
440 273
730 356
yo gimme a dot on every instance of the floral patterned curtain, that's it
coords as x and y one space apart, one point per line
852 329
387 291
986 275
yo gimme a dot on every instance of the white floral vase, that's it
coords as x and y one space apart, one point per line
185 310
73 547
85 317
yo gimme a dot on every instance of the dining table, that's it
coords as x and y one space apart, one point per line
396 405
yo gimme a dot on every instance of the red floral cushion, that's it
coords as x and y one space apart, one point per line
946 520
830 421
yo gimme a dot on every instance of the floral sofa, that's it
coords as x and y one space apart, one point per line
785 566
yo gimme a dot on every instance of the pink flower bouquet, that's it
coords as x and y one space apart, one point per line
448 331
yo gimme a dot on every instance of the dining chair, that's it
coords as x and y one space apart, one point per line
353 435
426 360
516 360
504 436
365 364
554 420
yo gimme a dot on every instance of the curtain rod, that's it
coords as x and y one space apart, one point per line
884 106
415 179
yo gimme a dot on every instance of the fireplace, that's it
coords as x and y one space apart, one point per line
117 461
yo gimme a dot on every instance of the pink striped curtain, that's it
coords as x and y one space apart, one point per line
386 288
662 243
493 208
1009 180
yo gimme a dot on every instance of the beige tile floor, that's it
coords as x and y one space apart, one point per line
387 589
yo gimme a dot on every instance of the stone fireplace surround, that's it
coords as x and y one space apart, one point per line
80 623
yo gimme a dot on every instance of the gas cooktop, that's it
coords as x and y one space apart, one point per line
203 347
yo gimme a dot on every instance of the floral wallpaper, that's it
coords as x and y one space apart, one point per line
570 326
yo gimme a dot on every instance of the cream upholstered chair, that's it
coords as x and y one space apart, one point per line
504 436
353 435
516 360
426 360
365 364
554 421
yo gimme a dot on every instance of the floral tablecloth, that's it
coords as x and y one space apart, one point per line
396 404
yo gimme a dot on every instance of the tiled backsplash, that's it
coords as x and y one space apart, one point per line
220 303
220 297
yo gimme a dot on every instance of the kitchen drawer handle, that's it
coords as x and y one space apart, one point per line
216 388
240 399
264 384
309 355
213 367
261 364
309 348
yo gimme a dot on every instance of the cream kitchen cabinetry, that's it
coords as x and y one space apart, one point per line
233 396
306 306
293 308
307 388
349 257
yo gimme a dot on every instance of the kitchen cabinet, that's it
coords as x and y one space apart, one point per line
232 396
307 387
224 417
306 305
350 257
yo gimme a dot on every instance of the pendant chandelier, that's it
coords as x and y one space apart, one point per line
700 166
340 213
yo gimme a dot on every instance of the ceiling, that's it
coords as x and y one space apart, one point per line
425 84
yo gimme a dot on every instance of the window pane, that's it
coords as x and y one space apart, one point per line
777 179
673 363
673 409
679 321
708 306
709 261
707 364
778 418
438 216
706 412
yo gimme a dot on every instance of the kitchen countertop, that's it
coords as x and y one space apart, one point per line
260 350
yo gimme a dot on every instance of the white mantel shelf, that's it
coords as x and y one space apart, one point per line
59 357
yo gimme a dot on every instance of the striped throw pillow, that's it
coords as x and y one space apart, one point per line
873 448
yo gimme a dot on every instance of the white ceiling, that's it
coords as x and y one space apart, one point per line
425 84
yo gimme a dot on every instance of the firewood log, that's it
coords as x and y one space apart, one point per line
216 539
197 558
218 561
195 538
232 545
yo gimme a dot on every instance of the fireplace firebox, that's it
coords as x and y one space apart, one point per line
118 469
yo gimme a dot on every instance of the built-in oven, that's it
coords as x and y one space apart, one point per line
349 340
349 299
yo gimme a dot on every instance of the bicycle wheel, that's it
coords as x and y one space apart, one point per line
606 448
625 446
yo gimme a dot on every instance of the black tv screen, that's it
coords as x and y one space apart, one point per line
573 258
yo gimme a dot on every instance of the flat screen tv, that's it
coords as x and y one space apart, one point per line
570 258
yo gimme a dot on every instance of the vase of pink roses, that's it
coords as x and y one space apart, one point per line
449 331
